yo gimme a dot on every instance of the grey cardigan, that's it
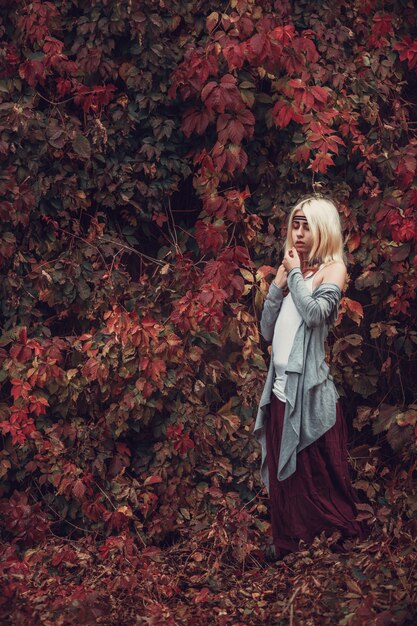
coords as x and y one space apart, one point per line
310 408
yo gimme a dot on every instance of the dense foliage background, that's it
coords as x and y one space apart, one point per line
150 152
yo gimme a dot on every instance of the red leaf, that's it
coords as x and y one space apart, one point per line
195 120
319 94
52 45
211 21
94 511
23 335
202 596
354 241
259 47
78 489
354 309
33 71
302 153
211 295
234 54
408 51
94 98
283 34
322 162
20 388
282 113
38 405
20 353
184 444
210 237
307 99
152 480
122 448
174 431
219 96
236 158
230 129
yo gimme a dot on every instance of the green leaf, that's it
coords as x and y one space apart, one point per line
81 146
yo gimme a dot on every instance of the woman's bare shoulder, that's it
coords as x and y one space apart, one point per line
336 273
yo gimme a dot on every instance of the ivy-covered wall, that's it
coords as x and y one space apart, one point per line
150 152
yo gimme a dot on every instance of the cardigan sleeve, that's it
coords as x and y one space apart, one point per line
314 308
270 311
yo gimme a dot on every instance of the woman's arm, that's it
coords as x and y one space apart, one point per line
313 309
270 311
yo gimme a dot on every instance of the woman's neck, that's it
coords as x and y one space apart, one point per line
303 262
307 266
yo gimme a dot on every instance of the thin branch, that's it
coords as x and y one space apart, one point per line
126 247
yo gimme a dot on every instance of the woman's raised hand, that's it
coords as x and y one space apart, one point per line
291 260
281 277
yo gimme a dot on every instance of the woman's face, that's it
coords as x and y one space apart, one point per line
302 238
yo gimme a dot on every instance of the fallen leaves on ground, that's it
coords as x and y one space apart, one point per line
199 581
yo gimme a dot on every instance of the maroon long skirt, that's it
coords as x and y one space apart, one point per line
318 496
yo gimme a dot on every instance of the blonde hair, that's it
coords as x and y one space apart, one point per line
326 230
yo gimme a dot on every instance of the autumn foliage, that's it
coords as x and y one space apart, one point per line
150 152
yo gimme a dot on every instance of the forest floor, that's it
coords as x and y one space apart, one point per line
200 582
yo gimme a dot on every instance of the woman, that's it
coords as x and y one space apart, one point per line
300 425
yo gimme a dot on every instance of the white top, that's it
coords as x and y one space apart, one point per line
285 330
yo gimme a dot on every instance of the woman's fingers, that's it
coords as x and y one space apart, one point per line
286 260
295 256
281 276
291 259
